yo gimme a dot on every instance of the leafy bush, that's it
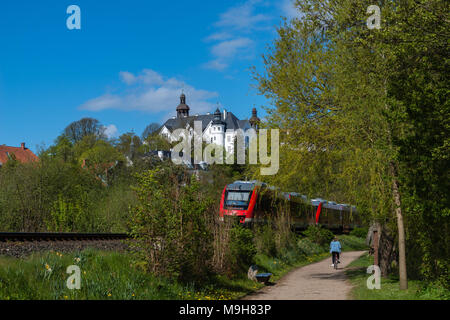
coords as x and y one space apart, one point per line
352 243
265 240
241 249
170 225
318 235
308 247
359 232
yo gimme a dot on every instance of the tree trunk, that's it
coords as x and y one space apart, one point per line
386 250
387 253
401 231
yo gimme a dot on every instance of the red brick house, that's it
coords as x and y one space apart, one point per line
21 154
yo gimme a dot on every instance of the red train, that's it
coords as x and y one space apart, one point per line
255 202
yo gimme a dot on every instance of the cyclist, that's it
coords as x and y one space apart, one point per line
335 250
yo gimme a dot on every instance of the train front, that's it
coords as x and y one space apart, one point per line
238 202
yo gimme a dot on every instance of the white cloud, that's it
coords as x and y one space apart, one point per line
127 77
111 131
150 92
227 49
216 64
230 44
242 17
289 9
219 36
147 76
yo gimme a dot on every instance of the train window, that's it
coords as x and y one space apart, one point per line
238 196
237 199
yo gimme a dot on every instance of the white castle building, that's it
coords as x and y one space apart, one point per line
219 127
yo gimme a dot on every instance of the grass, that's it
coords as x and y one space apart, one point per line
389 290
109 275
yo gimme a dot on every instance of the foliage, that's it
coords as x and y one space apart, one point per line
169 224
150 130
359 232
364 113
77 130
349 242
32 194
129 145
241 250
101 157
319 235
265 240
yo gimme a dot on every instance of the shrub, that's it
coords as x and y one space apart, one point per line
169 225
265 240
352 243
319 235
241 251
308 247
359 232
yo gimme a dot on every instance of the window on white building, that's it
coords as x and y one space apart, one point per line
229 138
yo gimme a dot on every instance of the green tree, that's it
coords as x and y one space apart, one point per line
129 145
150 130
349 102
77 130
62 149
101 157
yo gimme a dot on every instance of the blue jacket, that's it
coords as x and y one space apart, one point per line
335 246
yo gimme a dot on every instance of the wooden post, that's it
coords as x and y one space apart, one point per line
375 247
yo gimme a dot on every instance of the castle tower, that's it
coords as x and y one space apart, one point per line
183 108
218 129
254 120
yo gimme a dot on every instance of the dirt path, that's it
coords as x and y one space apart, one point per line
317 281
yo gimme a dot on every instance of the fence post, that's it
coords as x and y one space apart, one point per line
375 247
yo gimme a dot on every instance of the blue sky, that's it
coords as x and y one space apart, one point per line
129 62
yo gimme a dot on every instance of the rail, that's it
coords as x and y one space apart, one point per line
59 236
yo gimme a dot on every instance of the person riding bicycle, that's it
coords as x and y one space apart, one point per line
335 250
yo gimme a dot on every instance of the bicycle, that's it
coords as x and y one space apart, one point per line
335 260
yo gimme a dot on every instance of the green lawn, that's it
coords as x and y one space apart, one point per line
111 275
104 275
389 286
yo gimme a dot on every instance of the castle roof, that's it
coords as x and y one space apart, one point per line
183 119
231 121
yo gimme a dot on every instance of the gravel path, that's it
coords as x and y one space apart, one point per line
22 249
317 281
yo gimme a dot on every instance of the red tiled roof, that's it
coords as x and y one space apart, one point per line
22 154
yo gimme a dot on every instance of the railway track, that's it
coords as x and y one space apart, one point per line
58 236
